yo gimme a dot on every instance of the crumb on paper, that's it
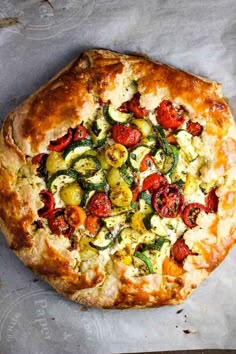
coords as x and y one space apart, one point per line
179 311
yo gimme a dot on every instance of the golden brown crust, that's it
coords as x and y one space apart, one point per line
62 103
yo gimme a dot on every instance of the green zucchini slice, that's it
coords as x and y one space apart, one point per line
60 178
76 149
137 155
86 165
103 240
113 116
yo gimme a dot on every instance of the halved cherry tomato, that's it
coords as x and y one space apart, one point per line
48 199
40 160
212 201
133 106
61 143
58 224
194 128
180 250
190 213
135 191
168 117
75 215
168 201
153 182
80 133
146 163
126 135
92 224
100 205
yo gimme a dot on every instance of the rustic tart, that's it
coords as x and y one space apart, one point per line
118 181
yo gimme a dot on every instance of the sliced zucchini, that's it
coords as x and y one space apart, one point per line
184 140
180 172
104 239
137 155
114 116
113 221
60 179
86 165
149 141
156 245
161 137
102 127
143 126
128 235
85 199
146 196
76 149
145 260
153 222
127 175
145 203
166 163
95 182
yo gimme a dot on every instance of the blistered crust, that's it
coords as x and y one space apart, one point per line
63 102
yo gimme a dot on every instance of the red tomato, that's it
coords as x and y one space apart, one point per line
194 128
168 117
153 182
80 133
126 135
93 224
212 201
37 158
100 205
146 163
180 250
41 160
133 106
61 143
167 201
48 200
57 223
190 213
135 192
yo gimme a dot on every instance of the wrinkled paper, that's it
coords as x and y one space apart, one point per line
198 36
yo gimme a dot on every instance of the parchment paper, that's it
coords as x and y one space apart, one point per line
198 36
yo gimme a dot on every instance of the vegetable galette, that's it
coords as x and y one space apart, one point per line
118 181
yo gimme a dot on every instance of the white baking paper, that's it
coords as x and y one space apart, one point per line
198 36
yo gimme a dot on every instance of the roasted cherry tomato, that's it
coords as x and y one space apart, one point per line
153 182
168 116
135 191
48 200
75 215
100 205
126 135
58 224
180 250
40 160
146 163
61 143
133 106
194 128
92 224
190 213
212 201
80 133
168 201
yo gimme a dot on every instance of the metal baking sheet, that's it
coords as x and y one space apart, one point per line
198 36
